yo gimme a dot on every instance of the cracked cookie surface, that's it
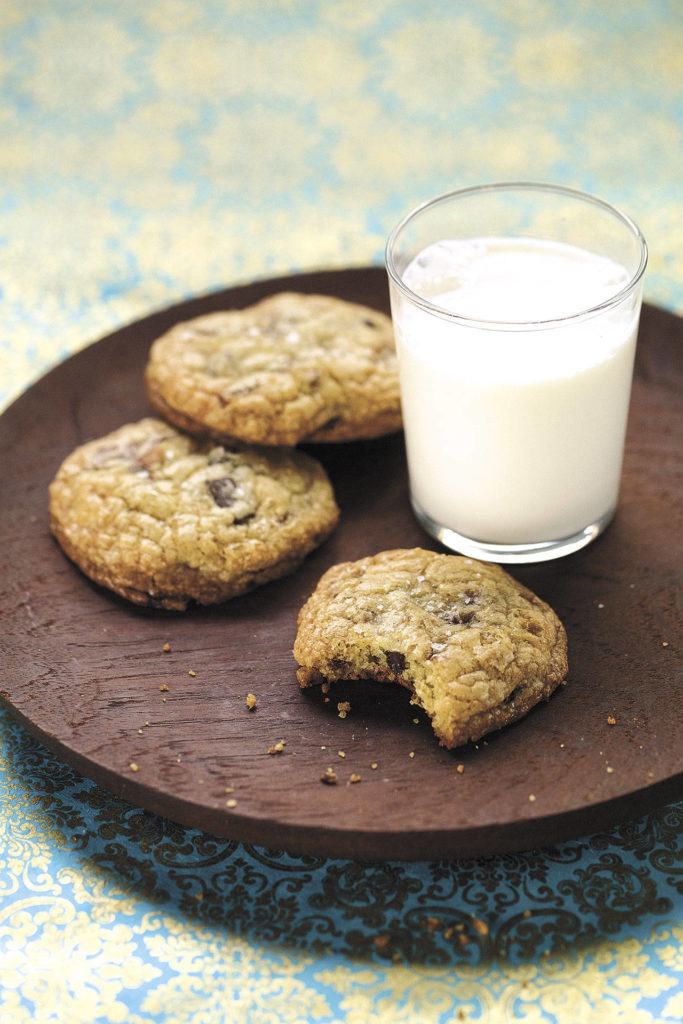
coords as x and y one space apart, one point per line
477 649
164 519
289 368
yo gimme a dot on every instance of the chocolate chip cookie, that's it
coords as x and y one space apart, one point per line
477 649
290 368
164 519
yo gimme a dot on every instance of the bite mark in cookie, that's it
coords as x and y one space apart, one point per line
290 368
164 519
476 649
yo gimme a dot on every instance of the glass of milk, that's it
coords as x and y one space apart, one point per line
515 309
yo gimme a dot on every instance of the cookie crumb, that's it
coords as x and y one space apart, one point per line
531 798
665 643
229 789
609 769
480 927
411 754
231 803
133 766
343 707
527 913
163 688
374 765
611 720
329 777
341 753
277 748
460 769
192 672
251 701
166 648
354 778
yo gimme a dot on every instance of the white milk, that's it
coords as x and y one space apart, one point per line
515 436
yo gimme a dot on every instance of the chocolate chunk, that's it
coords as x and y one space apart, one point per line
396 661
222 491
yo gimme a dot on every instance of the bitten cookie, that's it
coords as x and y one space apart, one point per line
477 649
290 368
163 519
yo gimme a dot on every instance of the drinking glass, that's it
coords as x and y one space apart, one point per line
515 309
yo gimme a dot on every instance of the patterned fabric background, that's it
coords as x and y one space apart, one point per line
152 151
156 150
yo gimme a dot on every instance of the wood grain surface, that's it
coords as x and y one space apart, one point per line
87 674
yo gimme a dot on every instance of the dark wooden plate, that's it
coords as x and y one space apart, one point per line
86 673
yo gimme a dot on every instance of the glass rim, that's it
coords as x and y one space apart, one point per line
509 186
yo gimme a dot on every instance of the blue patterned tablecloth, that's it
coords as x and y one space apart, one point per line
154 151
